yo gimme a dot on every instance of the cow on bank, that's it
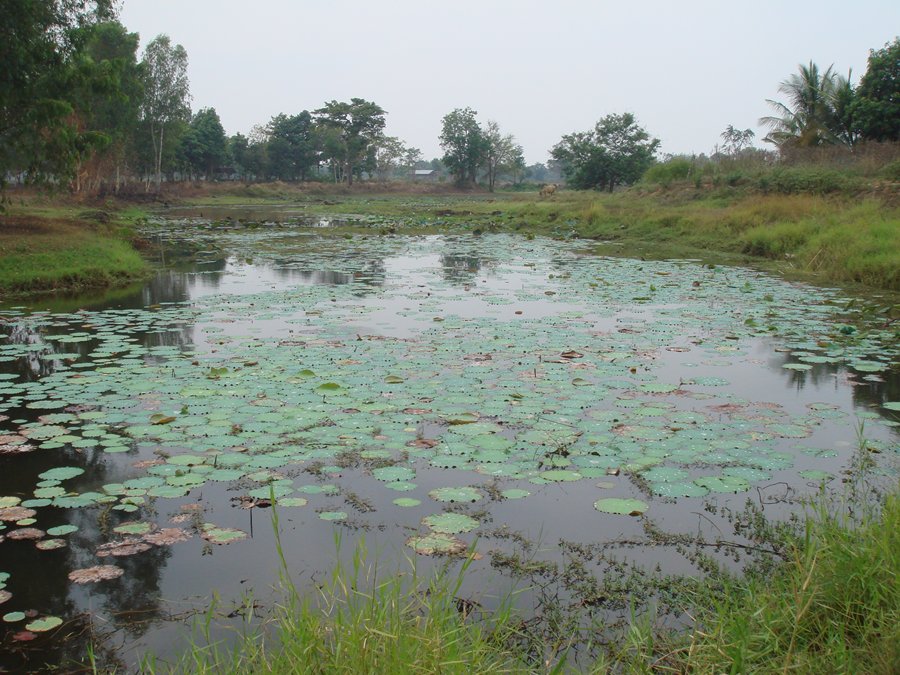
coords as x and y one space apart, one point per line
548 190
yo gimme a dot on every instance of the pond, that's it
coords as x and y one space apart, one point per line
428 395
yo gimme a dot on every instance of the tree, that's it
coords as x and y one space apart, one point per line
501 153
204 146
876 110
411 157
736 140
38 41
388 154
464 145
293 145
811 116
616 151
110 102
167 93
356 128
238 150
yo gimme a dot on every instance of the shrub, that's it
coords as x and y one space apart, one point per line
667 172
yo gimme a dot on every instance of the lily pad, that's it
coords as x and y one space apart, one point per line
455 495
406 502
561 475
450 523
333 515
625 507
515 493
90 575
43 625
437 544
222 535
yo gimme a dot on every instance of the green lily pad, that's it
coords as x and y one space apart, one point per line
455 495
333 515
437 544
450 523
43 625
625 507
133 528
406 502
394 473
292 501
561 475
62 473
222 535
515 493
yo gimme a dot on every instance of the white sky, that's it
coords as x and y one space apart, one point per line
686 68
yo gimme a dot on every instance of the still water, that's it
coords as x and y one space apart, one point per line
426 395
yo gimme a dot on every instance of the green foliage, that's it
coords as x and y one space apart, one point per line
360 622
817 109
877 107
834 607
203 145
39 43
165 106
667 172
65 257
351 132
617 151
803 180
502 153
292 146
112 109
464 145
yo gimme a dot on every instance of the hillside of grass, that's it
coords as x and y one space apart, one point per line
48 249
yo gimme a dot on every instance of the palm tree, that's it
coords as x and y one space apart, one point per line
811 115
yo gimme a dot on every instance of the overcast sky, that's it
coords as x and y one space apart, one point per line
686 68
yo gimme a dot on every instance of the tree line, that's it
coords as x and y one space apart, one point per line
80 107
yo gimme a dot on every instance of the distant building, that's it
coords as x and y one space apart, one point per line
424 174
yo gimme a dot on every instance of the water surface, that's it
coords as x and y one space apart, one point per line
518 383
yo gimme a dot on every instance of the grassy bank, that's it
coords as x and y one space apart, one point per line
832 606
845 236
54 248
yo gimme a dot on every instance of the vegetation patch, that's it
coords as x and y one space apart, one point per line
39 254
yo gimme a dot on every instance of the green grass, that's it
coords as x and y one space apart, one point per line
833 606
359 622
40 254
808 222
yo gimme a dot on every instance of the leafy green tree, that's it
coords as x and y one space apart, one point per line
38 42
166 104
501 153
812 115
389 152
351 132
293 145
616 151
876 110
204 146
464 145
111 106
238 147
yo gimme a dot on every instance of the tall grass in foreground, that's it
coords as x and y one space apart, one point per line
833 607
361 623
